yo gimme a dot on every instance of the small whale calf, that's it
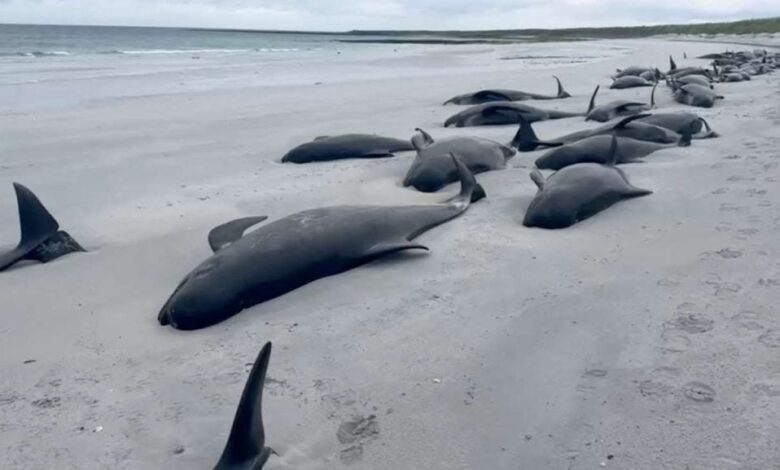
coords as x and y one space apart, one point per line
298 249
339 147
433 167
578 192
41 239
487 96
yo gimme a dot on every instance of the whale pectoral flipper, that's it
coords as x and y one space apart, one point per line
247 435
538 178
385 248
227 233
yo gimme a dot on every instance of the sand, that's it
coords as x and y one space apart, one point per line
646 337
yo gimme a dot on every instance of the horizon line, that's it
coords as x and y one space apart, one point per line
392 31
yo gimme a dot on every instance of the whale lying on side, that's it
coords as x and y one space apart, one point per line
300 248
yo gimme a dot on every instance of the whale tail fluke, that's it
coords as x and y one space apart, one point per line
246 443
41 238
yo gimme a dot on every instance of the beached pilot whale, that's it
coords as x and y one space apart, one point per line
339 147
486 96
41 238
432 168
630 81
679 122
525 139
598 148
503 112
617 108
578 192
298 249
245 448
696 95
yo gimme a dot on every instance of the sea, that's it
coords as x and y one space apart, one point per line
58 41
50 65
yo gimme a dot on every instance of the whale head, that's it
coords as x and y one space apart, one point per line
205 297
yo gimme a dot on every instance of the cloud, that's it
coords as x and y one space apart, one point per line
381 14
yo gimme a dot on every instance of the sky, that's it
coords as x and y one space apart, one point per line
343 15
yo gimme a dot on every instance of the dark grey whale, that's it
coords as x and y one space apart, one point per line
433 168
300 248
486 96
630 81
598 148
339 147
525 139
503 112
679 122
245 448
41 239
578 192
696 95
617 108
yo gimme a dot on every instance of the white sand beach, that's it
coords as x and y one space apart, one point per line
646 337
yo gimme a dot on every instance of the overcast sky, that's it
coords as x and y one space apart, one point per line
339 15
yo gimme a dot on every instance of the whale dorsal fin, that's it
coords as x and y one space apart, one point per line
525 140
426 136
321 137
538 178
612 155
223 235
672 64
37 227
652 95
421 140
247 436
561 92
36 222
593 99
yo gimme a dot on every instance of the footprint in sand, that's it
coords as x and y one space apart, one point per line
748 320
699 392
721 287
725 253
354 434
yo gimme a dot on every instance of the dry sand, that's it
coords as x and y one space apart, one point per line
644 338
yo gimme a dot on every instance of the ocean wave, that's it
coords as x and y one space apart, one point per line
35 54
199 51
